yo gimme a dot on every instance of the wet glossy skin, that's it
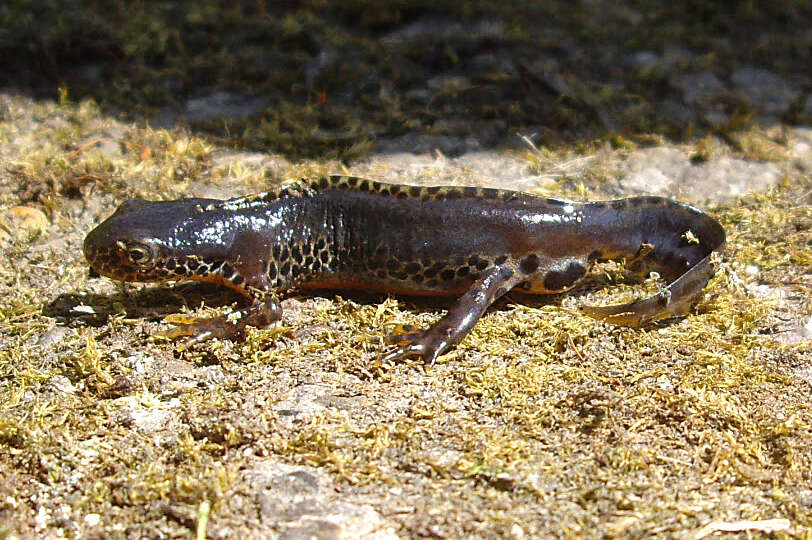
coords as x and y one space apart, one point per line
346 232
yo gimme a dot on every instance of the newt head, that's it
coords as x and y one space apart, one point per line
139 241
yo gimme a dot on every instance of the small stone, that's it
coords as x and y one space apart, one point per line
60 383
53 336
24 222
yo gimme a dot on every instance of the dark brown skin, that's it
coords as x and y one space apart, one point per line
347 232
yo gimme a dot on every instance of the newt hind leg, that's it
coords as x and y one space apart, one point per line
461 317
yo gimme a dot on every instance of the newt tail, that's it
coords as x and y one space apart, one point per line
347 232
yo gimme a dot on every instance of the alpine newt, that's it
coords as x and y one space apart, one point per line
342 232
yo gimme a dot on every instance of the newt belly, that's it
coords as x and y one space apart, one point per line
348 232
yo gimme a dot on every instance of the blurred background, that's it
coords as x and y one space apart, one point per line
343 79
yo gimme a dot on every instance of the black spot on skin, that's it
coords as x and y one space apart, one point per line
364 186
448 275
316 267
285 269
500 260
435 269
272 271
462 272
324 182
352 181
393 265
215 267
415 191
401 275
283 256
309 260
470 191
433 190
296 271
594 256
394 189
501 291
403 195
192 264
432 283
482 265
170 264
417 278
412 268
490 193
381 274
324 257
227 269
237 279
296 254
276 251
453 194
529 264
557 280
319 245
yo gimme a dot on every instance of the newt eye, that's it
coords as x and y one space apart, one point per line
140 254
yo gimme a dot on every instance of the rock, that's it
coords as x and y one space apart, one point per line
670 172
644 62
765 91
302 502
222 105
699 88
725 178
653 170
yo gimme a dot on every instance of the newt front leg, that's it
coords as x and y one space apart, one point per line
259 314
